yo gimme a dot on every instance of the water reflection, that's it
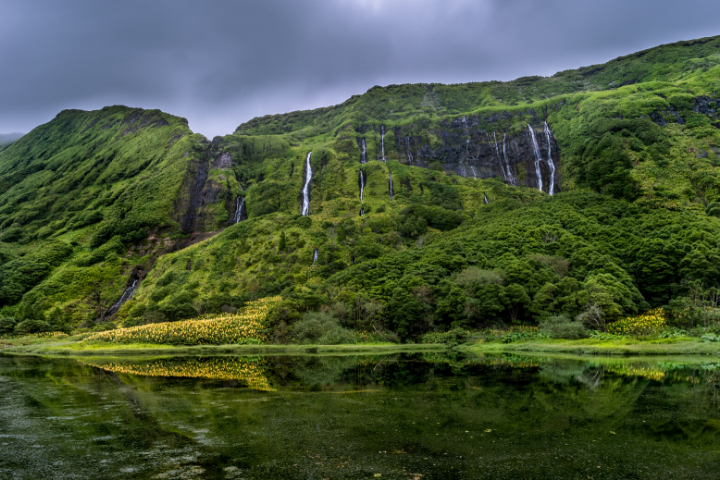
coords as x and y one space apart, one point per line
401 417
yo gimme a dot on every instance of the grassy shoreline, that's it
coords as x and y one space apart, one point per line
75 349
685 346
626 347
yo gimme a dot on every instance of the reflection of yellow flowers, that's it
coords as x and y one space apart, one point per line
640 325
228 328
249 372
638 371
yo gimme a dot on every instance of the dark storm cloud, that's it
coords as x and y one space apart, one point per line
220 63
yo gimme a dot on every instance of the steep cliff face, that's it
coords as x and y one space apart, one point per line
530 157
207 202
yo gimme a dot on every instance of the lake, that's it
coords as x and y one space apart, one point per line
405 416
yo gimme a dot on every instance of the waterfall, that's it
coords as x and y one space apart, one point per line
239 205
392 192
507 163
362 211
536 151
364 152
306 187
382 141
362 185
464 172
409 153
485 199
127 294
315 255
551 164
497 153
473 170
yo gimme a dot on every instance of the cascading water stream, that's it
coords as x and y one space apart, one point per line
536 151
363 158
497 152
392 191
409 153
507 163
485 199
127 294
239 205
551 164
362 185
473 170
382 141
306 187
315 255
467 131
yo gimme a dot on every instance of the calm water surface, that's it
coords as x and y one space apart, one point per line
410 417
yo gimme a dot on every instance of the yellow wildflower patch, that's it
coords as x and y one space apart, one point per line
639 325
245 326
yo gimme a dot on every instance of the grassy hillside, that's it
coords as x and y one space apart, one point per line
77 195
92 201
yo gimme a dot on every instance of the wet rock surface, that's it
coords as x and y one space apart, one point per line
474 151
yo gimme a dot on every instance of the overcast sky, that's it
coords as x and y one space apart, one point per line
220 63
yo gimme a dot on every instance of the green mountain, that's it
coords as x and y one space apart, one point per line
428 206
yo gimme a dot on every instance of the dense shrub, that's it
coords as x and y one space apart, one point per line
7 325
320 328
561 326
32 326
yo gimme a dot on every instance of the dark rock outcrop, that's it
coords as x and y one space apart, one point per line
474 151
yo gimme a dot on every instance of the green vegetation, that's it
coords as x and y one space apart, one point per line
94 201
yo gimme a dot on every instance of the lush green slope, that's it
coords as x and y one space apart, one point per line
78 193
90 201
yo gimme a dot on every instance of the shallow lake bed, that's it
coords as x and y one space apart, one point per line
403 416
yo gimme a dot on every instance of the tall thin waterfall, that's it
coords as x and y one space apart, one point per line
536 151
467 132
497 151
392 191
306 187
382 141
127 294
409 153
473 170
485 199
551 164
363 158
362 185
362 211
507 163
239 205
315 255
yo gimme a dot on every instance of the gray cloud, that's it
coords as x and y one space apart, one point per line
221 62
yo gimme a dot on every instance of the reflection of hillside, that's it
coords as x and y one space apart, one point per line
251 372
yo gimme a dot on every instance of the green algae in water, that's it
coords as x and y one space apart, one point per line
422 416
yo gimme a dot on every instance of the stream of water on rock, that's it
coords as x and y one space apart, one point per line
536 152
306 187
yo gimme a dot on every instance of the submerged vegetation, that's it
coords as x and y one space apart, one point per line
424 218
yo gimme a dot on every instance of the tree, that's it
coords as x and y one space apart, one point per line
283 242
